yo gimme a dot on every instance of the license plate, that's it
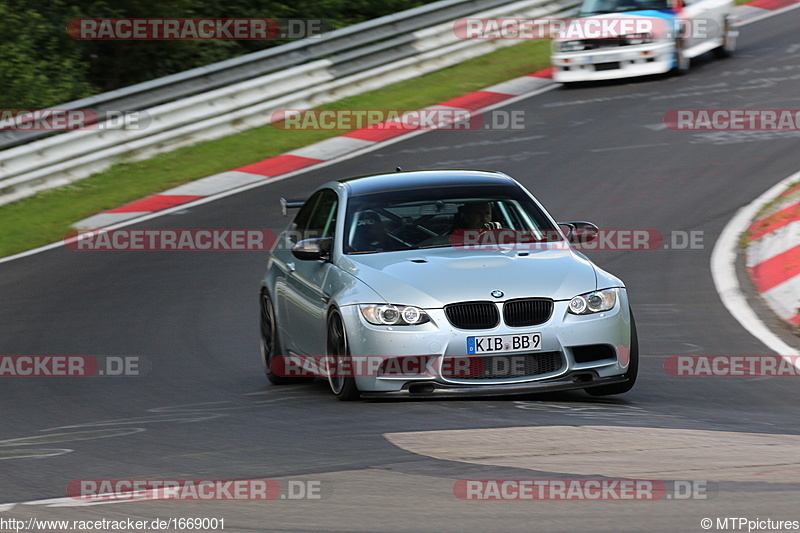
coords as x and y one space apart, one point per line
490 344
606 58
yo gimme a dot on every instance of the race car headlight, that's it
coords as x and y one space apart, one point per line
393 315
593 302
570 46
638 38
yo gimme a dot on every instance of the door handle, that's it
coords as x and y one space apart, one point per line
290 266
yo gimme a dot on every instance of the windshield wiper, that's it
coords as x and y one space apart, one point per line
432 246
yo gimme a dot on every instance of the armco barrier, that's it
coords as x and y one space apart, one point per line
345 62
202 79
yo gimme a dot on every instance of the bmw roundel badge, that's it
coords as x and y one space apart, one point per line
497 293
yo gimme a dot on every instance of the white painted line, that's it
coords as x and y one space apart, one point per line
331 148
119 498
628 147
214 184
723 270
106 219
54 438
47 501
36 454
454 109
72 502
183 418
519 85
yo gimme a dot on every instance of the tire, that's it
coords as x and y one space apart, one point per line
270 344
338 352
682 63
631 374
728 42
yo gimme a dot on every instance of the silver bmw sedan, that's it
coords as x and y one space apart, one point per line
440 283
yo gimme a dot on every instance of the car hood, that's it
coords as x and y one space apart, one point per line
667 14
436 277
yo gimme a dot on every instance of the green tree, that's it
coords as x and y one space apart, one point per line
40 66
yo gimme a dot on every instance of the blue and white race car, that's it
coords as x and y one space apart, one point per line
683 29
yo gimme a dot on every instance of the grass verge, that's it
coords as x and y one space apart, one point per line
46 217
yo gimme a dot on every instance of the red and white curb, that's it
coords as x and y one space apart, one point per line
758 9
308 156
773 255
723 264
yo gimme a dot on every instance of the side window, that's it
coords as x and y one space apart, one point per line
300 223
323 218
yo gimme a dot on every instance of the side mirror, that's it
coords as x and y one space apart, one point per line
290 204
313 249
580 232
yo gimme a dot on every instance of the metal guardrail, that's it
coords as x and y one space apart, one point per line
241 93
350 39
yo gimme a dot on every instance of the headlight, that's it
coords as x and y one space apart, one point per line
638 38
593 302
391 315
570 46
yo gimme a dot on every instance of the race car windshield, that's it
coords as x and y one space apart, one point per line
421 218
599 7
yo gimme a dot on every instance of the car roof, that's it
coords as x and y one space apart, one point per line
423 179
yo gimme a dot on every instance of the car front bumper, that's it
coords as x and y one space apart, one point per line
433 389
561 334
612 63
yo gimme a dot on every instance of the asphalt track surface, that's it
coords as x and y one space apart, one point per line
205 410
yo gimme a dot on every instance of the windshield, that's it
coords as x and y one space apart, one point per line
423 218
597 7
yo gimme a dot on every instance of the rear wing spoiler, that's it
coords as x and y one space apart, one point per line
290 204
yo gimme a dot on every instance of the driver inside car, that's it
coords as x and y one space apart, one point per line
477 216
470 217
